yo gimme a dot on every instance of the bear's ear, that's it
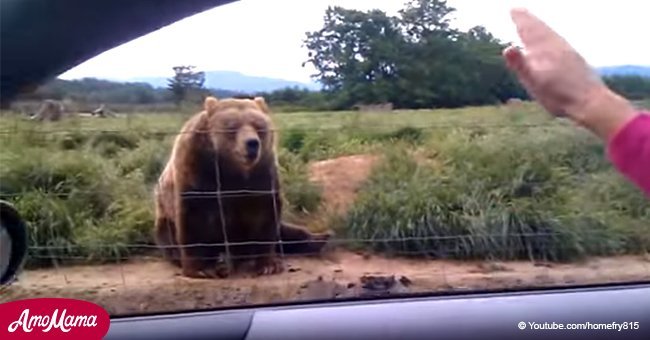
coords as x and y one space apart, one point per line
210 104
261 103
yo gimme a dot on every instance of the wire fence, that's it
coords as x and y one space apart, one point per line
329 240
424 254
372 127
220 218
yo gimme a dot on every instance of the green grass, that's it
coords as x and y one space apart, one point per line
547 194
489 182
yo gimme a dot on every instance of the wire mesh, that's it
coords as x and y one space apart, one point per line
60 253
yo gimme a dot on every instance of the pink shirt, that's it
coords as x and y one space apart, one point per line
629 151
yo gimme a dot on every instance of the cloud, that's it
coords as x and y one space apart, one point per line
264 38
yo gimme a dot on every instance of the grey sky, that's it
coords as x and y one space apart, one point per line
264 38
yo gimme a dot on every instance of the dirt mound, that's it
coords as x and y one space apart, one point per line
340 179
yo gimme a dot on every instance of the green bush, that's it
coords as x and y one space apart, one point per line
325 144
408 134
300 195
149 158
293 140
77 206
50 220
73 140
109 143
538 198
58 172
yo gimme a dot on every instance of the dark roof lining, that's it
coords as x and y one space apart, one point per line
44 38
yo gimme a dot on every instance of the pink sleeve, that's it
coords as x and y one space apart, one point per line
629 150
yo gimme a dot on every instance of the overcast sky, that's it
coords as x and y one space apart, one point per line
264 38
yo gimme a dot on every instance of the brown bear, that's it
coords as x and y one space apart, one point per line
221 186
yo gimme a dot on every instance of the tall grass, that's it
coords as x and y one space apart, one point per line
544 194
454 183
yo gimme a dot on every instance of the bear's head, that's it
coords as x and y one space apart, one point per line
241 130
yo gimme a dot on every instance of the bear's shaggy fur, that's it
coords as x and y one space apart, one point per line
222 176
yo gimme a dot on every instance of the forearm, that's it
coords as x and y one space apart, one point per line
625 131
604 112
629 150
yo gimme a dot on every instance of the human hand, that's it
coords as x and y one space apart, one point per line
550 69
559 78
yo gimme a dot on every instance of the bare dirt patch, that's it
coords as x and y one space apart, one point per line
340 179
146 285
150 285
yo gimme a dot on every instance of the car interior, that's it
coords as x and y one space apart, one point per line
43 38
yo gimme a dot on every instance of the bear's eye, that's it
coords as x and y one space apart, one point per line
261 129
230 126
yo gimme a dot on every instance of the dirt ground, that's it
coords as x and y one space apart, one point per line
147 285
340 179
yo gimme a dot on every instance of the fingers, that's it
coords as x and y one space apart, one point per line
516 61
514 58
532 31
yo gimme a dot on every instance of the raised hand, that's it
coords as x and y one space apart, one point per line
560 79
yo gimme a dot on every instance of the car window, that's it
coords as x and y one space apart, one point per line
267 152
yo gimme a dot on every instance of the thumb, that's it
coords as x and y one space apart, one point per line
516 61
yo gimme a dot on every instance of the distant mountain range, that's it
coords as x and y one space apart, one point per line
625 70
242 83
235 81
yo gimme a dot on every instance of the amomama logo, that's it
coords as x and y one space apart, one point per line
53 318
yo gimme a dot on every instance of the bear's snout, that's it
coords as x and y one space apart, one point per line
252 148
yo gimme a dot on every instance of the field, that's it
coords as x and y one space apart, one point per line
479 197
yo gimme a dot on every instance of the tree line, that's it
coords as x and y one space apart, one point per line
415 59
95 91
92 90
630 86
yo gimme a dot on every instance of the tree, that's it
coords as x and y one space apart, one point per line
422 19
633 87
186 82
413 60
355 54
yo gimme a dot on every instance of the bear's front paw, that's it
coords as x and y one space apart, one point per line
196 274
222 271
324 237
206 272
269 266
318 242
